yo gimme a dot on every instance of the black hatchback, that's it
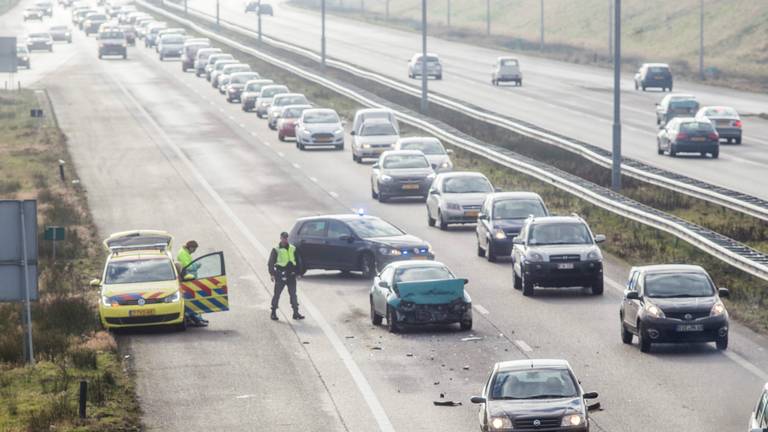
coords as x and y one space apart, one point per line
673 303
688 135
501 217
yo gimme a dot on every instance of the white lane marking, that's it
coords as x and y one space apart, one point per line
241 125
211 102
231 118
313 179
297 166
746 364
253 133
615 285
385 425
281 154
523 346
333 194
481 309
245 396
221 109
267 144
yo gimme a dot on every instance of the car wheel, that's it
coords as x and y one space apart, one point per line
528 289
182 326
490 254
737 140
340 147
443 224
375 318
642 339
643 88
281 137
480 250
672 150
368 265
301 146
722 343
626 335
465 325
659 150
162 58
100 56
597 286
125 56
636 86
716 154
382 197
439 77
520 83
392 325
517 282
430 220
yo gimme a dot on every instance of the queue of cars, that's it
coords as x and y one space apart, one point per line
661 304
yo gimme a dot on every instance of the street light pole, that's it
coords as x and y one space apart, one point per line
610 28
541 38
701 39
258 14
424 102
488 17
616 165
322 36
448 13
217 13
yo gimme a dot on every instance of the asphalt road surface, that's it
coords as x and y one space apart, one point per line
572 100
157 148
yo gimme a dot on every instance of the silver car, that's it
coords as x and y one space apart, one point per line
189 52
218 67
237 83
213 59
170 45
319 127
251 93
758 421
402 173
201 59
456 198
506 69
434 66
726 121
264 101
432 148
150 36
375 136
168 31
280 101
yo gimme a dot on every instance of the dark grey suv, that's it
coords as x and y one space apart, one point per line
401 173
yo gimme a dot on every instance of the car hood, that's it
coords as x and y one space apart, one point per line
431 292
376 139
466 198
410 172
405 240
145 289
684 304
322 127
535 407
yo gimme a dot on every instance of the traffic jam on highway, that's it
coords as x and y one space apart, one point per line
663 303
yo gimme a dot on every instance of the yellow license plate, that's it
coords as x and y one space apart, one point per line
141 312
410 186
471 213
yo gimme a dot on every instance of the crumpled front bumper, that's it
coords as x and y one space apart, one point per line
420 314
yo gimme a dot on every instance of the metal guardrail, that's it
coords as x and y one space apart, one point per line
725 197
727 250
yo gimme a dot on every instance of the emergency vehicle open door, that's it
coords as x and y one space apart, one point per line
204 284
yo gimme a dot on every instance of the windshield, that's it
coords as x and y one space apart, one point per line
559 233
321 117
242 79
270 92
405 161
428 147
97 17
373 227
684 104
517 209
293 113
533 384
466 184
217 57
696 127
415 274
231 70
430 59
678 285
378 129
290 100
139 271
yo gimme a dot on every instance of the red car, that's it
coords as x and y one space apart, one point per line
286 123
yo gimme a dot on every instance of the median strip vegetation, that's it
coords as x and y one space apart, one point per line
68 343
633 242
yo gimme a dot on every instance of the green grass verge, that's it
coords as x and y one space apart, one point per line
635 243
69 345
6 5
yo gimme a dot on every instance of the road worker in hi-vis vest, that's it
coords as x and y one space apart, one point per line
284 268
184 258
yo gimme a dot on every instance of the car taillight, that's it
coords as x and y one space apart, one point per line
682 136
737 123
713 136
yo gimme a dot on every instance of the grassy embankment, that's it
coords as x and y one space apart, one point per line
68 344
6 5
635 243
577 31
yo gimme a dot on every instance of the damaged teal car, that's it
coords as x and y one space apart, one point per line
418 293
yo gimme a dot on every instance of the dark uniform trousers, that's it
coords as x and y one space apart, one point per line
285 278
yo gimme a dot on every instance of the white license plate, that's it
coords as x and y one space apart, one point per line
565 266
690 327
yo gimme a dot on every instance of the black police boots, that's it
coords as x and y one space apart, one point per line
274 317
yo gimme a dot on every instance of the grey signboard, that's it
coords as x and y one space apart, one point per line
8 55
12 282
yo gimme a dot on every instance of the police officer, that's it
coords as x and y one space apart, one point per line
284 267
184 258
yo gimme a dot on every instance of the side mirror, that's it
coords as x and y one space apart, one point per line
723 292
352 132
384 284
434 192
347 238
95 283
633 295
482 216
599 238
449 151
466 281
590 395
375 166
477 400
497 189
517 240
594 407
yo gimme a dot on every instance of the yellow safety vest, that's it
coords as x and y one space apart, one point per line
285 256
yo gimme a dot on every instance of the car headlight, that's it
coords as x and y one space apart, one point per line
500 234
231 89
453 206
366 146
534 257
429 249
264 104
385 178
572 420
107 301
431 176
654 311
338 131
500 423
446 164
595 255
717 309
25 58
390 251
124 44
173 298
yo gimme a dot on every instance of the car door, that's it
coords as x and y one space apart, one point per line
630 306
518 250
204 284
381 293
311 243
341 246
433 199
484 224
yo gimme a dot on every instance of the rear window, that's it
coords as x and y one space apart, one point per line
696 127
292 100
684 104
517 209
253 87
173 40
721 112
509 62
658 70
139 271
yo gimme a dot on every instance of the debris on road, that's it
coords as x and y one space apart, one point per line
376 348
471 338
409 355
448 403
466 367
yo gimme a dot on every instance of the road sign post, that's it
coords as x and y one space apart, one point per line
54 234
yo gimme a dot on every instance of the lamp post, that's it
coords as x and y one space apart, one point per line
424 101
701 39
541 25
322 36
616 164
